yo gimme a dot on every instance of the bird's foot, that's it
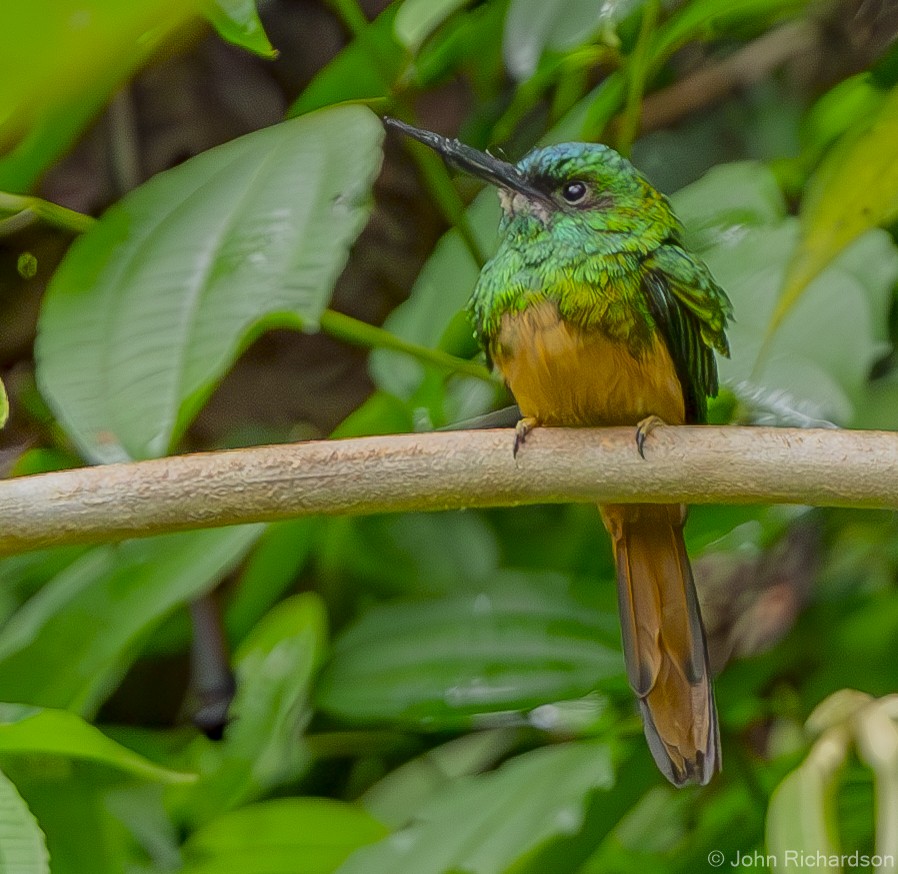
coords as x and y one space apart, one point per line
521 430
644 428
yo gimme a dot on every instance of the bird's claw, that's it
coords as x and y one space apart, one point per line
521 430
643 429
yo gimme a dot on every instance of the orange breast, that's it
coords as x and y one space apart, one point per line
563 375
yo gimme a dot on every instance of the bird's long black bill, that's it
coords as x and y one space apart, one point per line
473 161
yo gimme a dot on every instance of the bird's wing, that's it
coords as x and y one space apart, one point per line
691 311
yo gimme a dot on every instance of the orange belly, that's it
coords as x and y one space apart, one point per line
563 375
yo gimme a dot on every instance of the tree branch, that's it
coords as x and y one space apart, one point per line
717 80
449 470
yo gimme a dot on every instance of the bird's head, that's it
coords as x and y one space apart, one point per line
571 186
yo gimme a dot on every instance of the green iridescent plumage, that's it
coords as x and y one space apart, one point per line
612 262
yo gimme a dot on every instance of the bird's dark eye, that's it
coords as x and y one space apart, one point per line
574 192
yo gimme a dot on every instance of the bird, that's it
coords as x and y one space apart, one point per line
596 314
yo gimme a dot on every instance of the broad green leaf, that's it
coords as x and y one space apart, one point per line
844 106
657 822
418 19
878 407
283 836
726 199
486 824
854 189
27 572
69 645
4 405
820 357
381 413
68 800
410 552
626 827
396 798
801 818
237 21
139 808
439 663
272 567
365 70
532 26
60 61
671 831
43 459
30 731
443 287
262 745
23 849
151 307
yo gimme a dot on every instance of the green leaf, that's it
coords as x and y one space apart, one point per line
844 106
801 818
466 42
532 26
366 70
237 21
27 572
283 836
139 808
71 643
411 552
43 106
23 849
443 287
418 19
487 823
381 413
4 405
272 567
854 189
29 731
396 798
819 359
262 748
43 459
69 801
151 307
729 197
440 663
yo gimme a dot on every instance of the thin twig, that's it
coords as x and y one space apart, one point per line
52 213
449 470
360 333
743 68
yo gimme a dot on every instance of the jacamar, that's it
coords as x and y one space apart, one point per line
595 314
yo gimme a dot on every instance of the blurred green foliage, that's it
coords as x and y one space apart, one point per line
445 693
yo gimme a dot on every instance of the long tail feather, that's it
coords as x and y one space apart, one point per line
664 641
